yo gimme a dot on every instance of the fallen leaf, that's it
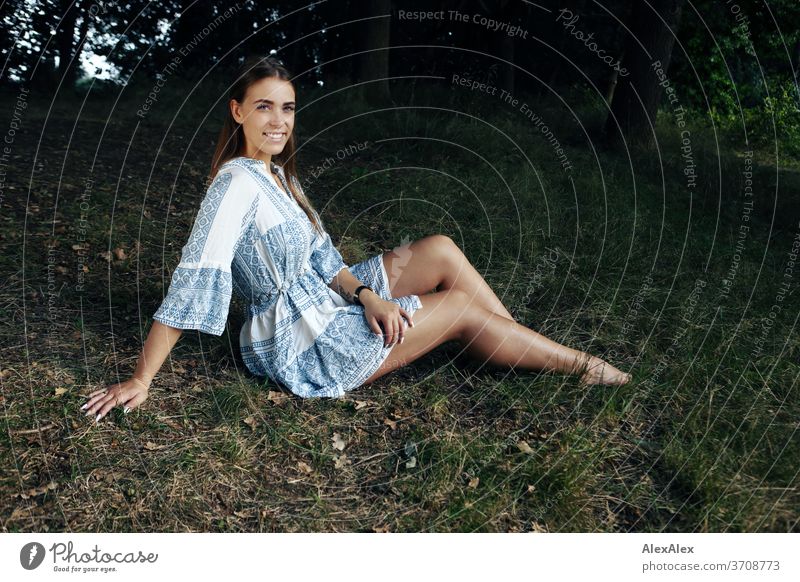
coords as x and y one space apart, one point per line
360 404
151 446
304 467
120 254
524 447
381 529
338 441
473 483
39 490
411 463
339 461
60 391
279 398
390 423
250 421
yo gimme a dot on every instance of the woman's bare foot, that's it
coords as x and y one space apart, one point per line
601 372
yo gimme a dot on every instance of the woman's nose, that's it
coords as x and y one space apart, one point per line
277 119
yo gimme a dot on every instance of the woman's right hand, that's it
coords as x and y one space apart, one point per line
129 394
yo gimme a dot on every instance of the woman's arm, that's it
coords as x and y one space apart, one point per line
345 284
133 392
385 318
157 346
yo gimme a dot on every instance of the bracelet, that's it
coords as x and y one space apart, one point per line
358 290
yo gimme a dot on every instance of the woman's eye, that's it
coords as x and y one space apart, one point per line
262 106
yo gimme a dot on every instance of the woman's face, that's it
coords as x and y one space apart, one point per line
266 116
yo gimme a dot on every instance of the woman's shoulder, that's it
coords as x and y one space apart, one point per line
233 181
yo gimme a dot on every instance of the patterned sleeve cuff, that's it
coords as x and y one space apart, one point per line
326 260
198 298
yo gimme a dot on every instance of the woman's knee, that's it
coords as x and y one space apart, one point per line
445 246
461 310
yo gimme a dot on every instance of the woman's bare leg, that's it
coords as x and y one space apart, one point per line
436 262
453 315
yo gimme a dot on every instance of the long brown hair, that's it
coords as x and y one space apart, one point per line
231 141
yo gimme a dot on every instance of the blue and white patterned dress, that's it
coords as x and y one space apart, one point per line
251 237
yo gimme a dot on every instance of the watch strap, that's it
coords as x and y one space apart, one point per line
358 290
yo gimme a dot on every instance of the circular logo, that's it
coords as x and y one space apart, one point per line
31 555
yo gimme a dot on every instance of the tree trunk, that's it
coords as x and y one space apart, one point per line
65 41
505 47
374 64
557 63
639 92
612 82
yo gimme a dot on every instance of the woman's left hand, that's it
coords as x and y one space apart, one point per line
387 315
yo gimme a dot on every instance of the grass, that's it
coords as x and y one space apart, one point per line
703 439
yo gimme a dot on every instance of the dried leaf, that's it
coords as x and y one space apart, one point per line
39 490
60 391
250 421
120 254
411 463
151 446
473 483
360 404
304 467
338 441
339 461
279 398
524 447
390 423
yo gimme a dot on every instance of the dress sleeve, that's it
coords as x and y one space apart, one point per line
200 292
325 258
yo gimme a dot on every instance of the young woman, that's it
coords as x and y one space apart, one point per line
315 325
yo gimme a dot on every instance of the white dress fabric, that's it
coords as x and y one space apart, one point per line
253 238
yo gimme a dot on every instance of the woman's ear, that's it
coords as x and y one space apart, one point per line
236 110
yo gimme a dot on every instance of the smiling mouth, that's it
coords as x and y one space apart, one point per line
274 135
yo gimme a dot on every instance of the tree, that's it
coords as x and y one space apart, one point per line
374 64
652 27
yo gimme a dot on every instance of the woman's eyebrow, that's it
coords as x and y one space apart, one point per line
271 102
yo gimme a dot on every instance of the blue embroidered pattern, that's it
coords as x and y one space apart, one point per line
252 238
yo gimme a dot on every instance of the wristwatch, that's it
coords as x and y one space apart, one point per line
356 300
